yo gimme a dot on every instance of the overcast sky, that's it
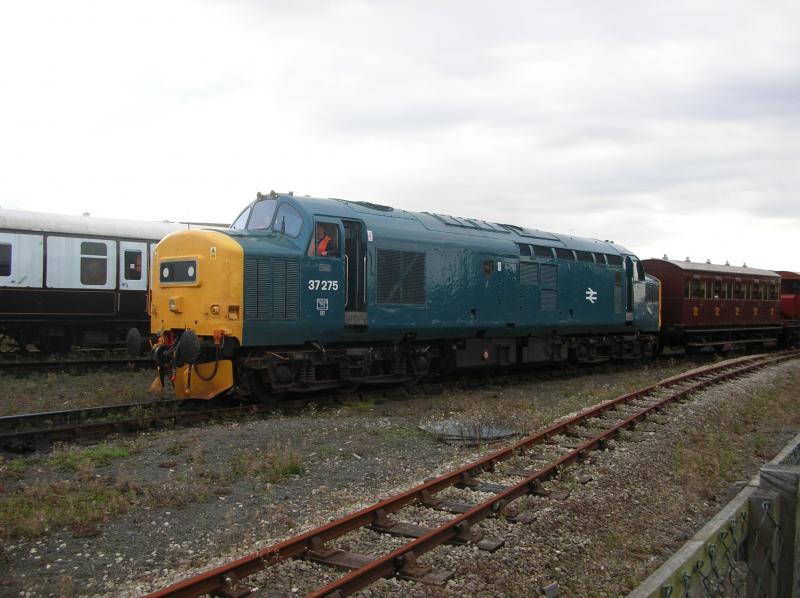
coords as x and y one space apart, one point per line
668 127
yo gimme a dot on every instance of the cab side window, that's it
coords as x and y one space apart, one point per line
326 239
288 221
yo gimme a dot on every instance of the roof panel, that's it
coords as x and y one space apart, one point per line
86 225
719 269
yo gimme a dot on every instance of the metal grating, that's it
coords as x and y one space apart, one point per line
271 289
549 300
401 277
549 275
528 273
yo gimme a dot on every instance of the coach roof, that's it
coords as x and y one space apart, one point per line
24 221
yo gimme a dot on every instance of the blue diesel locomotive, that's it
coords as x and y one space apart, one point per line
305 293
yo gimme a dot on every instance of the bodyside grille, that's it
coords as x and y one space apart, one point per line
271 290
528 273
401 277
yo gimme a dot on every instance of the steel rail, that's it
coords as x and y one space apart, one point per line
228 574
46 366
29 439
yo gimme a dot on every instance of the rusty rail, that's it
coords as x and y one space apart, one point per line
311 544
19 367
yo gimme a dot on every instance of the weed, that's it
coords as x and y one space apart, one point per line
71 459
361 406
30 511
270 464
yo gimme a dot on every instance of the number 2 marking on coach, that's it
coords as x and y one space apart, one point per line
323 285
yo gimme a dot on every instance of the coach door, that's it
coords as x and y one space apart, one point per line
132 278
355 259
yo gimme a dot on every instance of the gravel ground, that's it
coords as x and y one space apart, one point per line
29 392
167 503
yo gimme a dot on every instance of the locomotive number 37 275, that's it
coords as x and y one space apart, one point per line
323 285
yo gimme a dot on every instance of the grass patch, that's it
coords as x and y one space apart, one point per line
72 459
15 468
32 510
751 422
270 464
360 406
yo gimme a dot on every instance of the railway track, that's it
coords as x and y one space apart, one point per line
18 367
32 431
546 453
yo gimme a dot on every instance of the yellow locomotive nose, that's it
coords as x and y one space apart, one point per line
198 287
198 284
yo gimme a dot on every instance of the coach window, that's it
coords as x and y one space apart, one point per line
5 259
262 213
737 291
133 265
717 290
728 290
756 291
773 291
94 263
687 289
288 221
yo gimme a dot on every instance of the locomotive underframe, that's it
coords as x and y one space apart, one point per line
266 372
717 338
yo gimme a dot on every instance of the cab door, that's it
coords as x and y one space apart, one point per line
355 255
133 276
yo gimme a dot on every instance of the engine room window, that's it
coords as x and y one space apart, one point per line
94 263
584 256
564 254
540 251
287 221
241 221
614 260
327 239
5 259
133 265
262 213
524 249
